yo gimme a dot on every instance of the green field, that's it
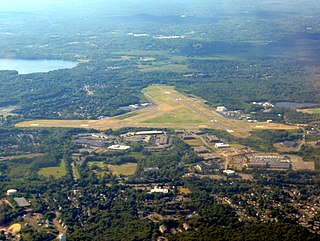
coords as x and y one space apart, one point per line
170 109
56 172
31 155
164 67
195 142
314 110
7 110
126 169
128 115
180 116
78 176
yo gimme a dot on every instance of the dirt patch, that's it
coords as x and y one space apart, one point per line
155 217
165 107
89 92
15 228
305 111
245 176
299 164
184 190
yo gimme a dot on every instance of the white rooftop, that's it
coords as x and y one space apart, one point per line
118 147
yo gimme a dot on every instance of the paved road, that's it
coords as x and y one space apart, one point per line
74 172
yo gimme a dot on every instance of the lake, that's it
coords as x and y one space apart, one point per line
25 66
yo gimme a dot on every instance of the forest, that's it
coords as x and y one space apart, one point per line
116 63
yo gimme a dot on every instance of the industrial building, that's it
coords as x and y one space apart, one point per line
149 133
221 108
11 192
229 173
276 162
118 147
213 139
21 202
221 145
159 190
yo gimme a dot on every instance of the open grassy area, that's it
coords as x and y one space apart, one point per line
7 110
194 142
179 116
125 116
310 110
179 68
126 169
56 172
31 155
141 53
314 110
171 109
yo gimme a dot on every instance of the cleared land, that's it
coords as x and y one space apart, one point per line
310 110
171 109
56 172
126 169
31 155
195 142
299 164
15 228
7 110
184 190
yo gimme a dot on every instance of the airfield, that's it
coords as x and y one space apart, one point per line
170 109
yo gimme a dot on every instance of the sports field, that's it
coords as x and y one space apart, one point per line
170 109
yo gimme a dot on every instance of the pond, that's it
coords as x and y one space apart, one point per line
25 66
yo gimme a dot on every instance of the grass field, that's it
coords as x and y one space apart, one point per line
178 116
7 110
171 109
313 110
56 172
163 67
31 155
126 169
78 176
194 142
125 116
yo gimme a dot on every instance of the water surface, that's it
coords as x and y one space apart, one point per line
25 66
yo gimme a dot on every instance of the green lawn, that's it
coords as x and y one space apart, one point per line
163 67
194 142
141 53
128 115
56 172
126 169
180 116
7 110
30 155
314 110
78 176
